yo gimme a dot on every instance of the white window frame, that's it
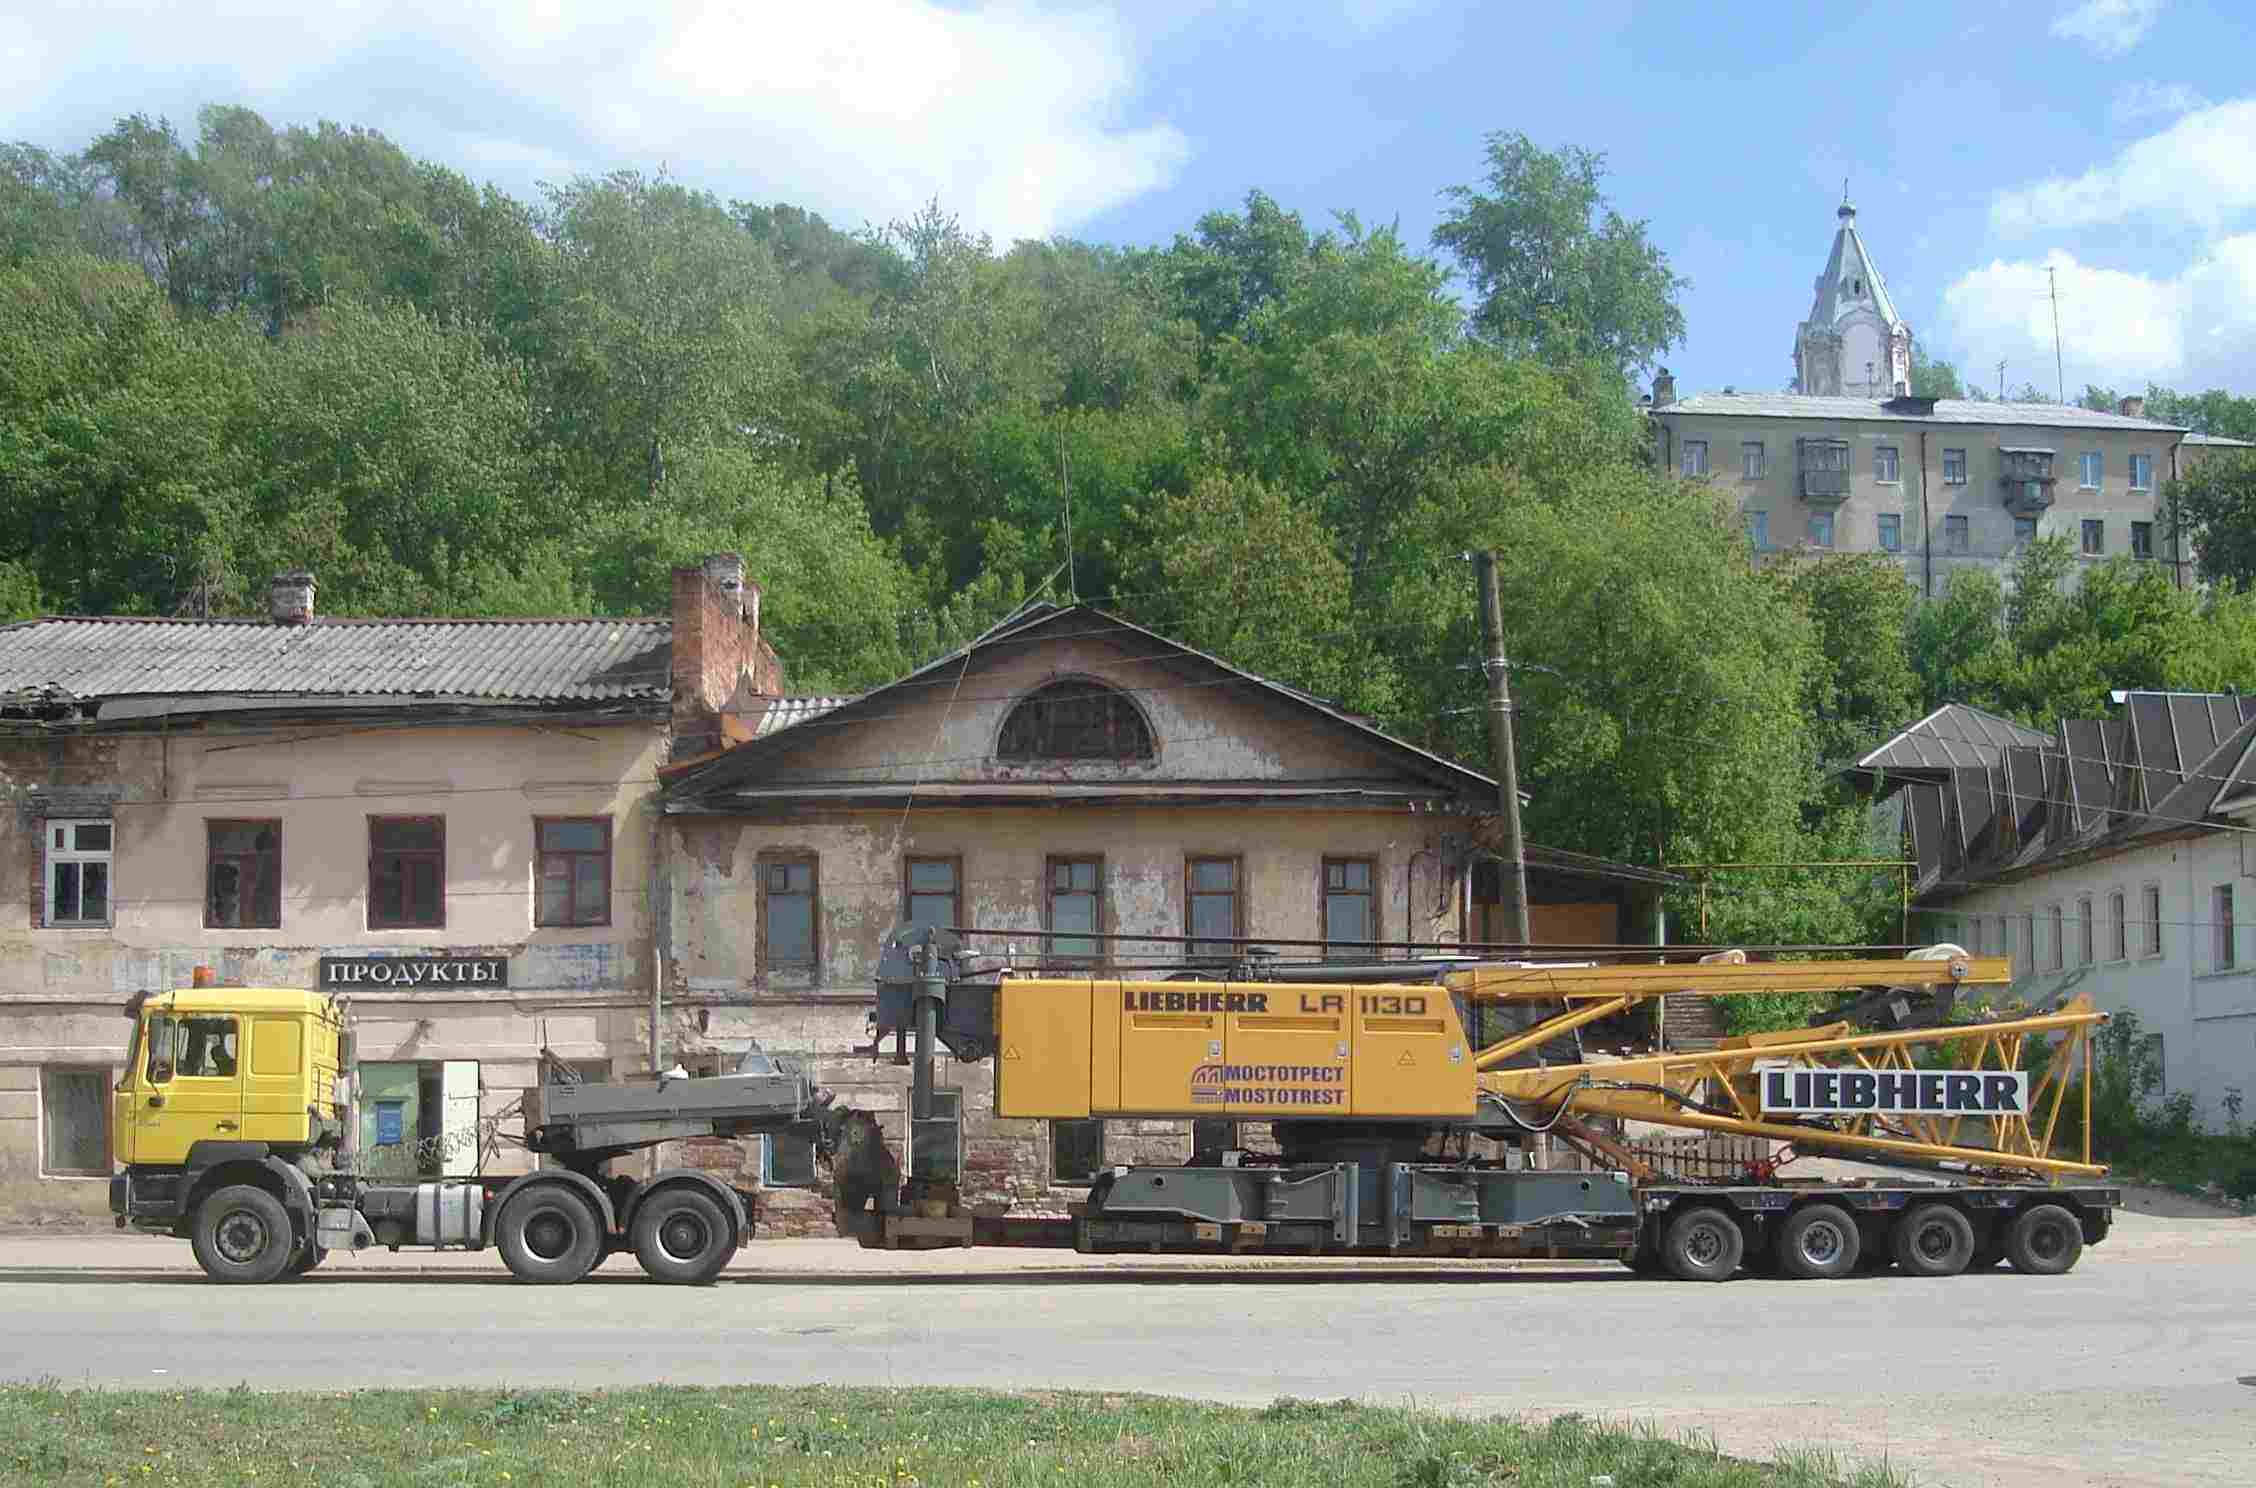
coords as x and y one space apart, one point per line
2142 472
1891 532
1754 462
2223 949
2119 925
1949 479
2086 543
2091 467
2150 901
2056 948
1694 453
106 1078
1887 464
54 857
2087 934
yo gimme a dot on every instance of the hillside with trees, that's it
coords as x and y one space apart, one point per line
236 349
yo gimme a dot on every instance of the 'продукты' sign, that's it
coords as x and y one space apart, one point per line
348 973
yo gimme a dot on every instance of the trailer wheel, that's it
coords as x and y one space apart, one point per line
1703 1244
241 1234
549 1235
2045 1240
1934 1240
1819 1242
681 1236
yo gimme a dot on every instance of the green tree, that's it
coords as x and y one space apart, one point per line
2212 509
1957 640
1933 379
1560 273
1862 685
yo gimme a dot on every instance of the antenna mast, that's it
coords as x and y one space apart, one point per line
2060 378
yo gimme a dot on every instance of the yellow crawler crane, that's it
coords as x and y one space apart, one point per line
1371 1088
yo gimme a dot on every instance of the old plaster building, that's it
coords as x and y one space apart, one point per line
451 821
1071 774
2105 856
1849 461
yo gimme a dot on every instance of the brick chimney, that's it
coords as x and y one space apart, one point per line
2132 407
718 653
1664 388
289 598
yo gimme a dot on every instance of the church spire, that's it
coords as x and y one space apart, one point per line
1853 344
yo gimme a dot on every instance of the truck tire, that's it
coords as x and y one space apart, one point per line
1934 1240
1703 1244
1819 1242
549 1235
241 1235
2044 1240
681 1236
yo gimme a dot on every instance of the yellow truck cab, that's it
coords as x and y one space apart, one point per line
228 1089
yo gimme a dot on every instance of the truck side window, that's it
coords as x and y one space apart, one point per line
164 1048
207 1048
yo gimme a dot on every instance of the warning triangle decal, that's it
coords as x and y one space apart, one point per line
1010 1051
1405 1062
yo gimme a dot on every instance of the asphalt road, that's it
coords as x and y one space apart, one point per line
2137 1369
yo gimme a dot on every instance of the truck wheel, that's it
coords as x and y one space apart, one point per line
1819 1242
549 1235
2044 1241
1703 1244
242 1234
1934 1240
682 1236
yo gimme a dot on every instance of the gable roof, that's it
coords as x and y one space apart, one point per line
1850 260
736 768
122 666
1988 800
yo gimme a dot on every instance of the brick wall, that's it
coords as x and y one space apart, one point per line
717 649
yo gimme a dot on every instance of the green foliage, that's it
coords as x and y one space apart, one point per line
2147 1134
1933 379
2212 510
1560 273
1863 684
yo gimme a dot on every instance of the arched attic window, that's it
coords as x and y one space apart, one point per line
1075 720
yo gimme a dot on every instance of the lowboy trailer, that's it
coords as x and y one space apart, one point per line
238 1126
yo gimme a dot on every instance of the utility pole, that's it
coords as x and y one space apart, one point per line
2060 378
1499 673
2001 379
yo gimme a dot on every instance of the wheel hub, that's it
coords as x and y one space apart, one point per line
241 1237
548 1235
1821 1244
682 1237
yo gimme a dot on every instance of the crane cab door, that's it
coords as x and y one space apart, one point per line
190 1087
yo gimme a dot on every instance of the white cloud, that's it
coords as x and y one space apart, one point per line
2150 100
1019 119
2201 170
2117 328
2108 27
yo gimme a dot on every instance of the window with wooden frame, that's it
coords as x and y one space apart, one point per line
242 875
575 870
2150 900
1350 903
2056 944
2118 942
932 891
78 873
2224 953
406 872
1073 910
1076 719
790 914
1212 906
2086 936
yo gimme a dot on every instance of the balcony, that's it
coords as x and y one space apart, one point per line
1822 467
2026 475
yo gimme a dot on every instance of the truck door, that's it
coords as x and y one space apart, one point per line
193 1086
276 1085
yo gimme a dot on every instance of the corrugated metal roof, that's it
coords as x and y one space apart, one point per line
788 712
1953 735
2219 439
1808 407
482 660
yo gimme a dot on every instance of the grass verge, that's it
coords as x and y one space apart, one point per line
694 1438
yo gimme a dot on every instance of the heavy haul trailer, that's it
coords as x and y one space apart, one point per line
237 1127
1373 1093
232 1121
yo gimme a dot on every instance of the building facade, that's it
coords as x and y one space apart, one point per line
452 822
1095 798
1937 484
2112 856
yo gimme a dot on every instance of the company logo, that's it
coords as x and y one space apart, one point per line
1801 1091
1286 1086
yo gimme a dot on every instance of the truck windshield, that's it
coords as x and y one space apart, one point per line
132 1056
163 1047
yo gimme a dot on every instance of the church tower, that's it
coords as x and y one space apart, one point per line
1854 344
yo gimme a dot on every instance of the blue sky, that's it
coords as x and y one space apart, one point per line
2114 140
